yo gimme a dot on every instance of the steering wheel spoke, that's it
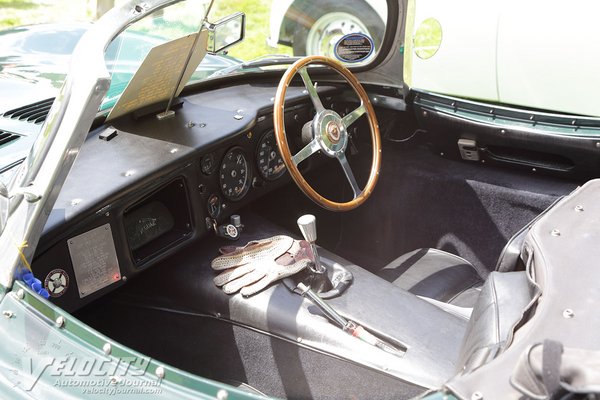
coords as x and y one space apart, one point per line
306 152
312 90
353 115
349 174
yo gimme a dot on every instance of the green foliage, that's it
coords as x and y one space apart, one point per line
257 27
26 12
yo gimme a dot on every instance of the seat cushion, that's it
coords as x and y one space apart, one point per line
435 274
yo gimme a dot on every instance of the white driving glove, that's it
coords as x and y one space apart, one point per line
254 266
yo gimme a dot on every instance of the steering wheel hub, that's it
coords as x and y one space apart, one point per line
331 133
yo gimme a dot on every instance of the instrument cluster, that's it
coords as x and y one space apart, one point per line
251 161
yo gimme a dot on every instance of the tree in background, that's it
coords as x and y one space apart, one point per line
102 6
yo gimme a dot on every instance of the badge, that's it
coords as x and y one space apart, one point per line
354 47
57 282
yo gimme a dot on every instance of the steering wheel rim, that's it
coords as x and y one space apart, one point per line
329 133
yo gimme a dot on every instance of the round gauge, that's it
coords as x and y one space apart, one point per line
214 206
208 164
270 163
234 175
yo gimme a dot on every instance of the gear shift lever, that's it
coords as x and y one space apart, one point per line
308 226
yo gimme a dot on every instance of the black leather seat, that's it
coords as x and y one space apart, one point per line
435 274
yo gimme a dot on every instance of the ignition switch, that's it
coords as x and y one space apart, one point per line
230 231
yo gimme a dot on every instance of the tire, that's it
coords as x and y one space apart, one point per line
359 17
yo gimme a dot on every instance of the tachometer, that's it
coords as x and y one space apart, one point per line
234 174
270 163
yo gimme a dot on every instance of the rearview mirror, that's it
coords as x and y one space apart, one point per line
226 32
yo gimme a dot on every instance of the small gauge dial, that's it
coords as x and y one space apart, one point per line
234 175
208 164
270 163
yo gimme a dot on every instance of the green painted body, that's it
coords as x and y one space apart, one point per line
42 360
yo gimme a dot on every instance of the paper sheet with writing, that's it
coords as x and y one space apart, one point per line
156 78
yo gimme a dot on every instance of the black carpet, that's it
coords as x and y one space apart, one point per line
423 200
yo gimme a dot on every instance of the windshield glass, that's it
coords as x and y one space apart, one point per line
276 31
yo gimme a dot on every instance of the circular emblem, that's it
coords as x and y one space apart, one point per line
57 282
354 47
333 132
232 231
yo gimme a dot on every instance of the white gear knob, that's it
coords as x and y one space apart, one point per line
308 226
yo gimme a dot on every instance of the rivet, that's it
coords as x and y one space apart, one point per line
160 372
129 173
477 396
190 124
299 340
240 111
533 169
107 348
8 314
124 278
60 321
442 154
568 313
598 144
218 315
222 394
174 150
21 294
555 232
579 208
249 135
202 125
425 113
238 117
75 202
107 214
503 131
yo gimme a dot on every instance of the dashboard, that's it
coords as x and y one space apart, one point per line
157 186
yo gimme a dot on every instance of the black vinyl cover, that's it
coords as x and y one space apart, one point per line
562 258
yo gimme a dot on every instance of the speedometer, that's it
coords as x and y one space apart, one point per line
270 163
234 174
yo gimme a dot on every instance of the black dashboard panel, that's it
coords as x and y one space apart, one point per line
156 178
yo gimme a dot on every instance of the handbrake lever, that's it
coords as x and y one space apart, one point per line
347 326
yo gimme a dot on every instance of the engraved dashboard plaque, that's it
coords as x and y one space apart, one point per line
94 260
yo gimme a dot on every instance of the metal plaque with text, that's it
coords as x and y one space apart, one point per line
94 260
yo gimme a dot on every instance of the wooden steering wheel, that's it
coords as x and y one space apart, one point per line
329 133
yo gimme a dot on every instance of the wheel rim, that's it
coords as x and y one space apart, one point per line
327 30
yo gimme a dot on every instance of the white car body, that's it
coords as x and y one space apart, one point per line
515 53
